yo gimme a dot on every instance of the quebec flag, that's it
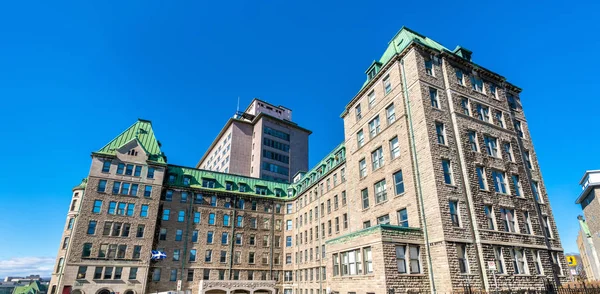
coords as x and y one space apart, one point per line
158 255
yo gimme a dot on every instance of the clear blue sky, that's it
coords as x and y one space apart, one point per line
74 75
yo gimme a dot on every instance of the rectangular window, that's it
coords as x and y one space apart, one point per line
102 186
500 118
91 227
465 106
441 133
473 141
460 77
433 96
180 216
499 260
357 111
362 164
447 168
509 153
500 184
539 269
150 174
489 215
535 188
387 85
377 158
166 214
144 211
483 113
476 84
546 224
211 219
508 218
116 187
129 170
519 129
491 145
394 148
194 236
192 255
365 198
380 192
371 97
518 187
402 217
120 168
453 205
527 219
463 262
106 166
360 138
428 66
97 207
481 178
374 127
138 171
162 235
527 159
383 220
519 262
178 235
223 257
391 114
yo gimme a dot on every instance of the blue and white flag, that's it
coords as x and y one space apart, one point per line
158 255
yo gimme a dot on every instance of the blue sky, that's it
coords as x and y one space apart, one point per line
75 74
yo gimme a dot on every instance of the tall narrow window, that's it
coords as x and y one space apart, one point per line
460 79
527 219
499 260
106 166
429 66
508 151
441 133
358 112
519 129
398 183
387 84
519 262
402 218
500 118
97 206
371 97
489 215
394 148
508 218
476 84
391 114
517 184
527 158
453 205
362 164
465 106
500 185
473 141
447 168
491 145
377 158
483 113
481 179
380 191
463 262
433 96
365 198
374 127
535 187
360 138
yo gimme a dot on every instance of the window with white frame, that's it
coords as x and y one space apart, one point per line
546 223
519 261
463 261
441 133
383 220
460 77
491 145
518 187
394 147
408 260
539 268
509 152
377 158
374 127
483 113
519 129
476 83
380 191
358 112
481 178
489 215
509 220
473 141
365 199
398 182
360 138
362 165
454 217
466 107
535 187
499 260
387 84
390 114
371 97
556 262
403 218
447 169
500 184
433 96
527 219
499 118
429 66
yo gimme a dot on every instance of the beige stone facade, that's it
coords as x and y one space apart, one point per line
437 177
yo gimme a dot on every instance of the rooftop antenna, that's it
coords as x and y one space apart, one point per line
237 110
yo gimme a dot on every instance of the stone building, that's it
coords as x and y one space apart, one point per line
435 183
588 240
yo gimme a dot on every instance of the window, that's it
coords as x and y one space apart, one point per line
138 171
453 204
225 238
120 168
196 216
365 198
493 91
91 227
70 223
489 215
394 148
556 262
360 138
539 269
116 187
366 224
491 145
357 111
102 186
288 241
97 206
518 187
483 113
481 178
178 235
433 96
251 257
180 216
463 262
402 218
277 133
377 158
508 150
527 159
144 211
162 235
500 185
429 66
362 164
226 220
441 133
374 127
387 85
447 168
81 272
371 97
546 223
473 141
465 106
380 192
129 170
192 255
190 275
460 77
211 219
519 129
87 250
499 260
500 118
476 84
166 214
343 202
535 188
391 114
527 219
519 261
508 218
209 237
150 174
169 195
408 254
106 166
383 220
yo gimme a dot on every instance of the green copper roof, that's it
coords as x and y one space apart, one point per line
369 231
33 288
221 179
143 133
329 162
82 185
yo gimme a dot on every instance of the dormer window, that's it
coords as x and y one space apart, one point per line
243 187
371 74
172 179
132 152
261 190
186 181
228 186
206 183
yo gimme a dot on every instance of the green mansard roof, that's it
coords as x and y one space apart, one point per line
141 131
